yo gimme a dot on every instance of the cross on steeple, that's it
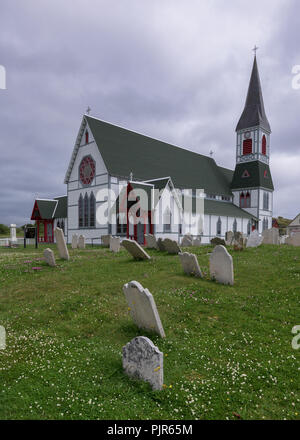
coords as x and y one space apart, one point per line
255 49
88 110
211 153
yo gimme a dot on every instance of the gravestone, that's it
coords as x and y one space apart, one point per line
143 308
135 250
160 245
229 238
13 234
171 246
105 240
254 239
187 240
49 257
221 265
81 242
197 241
217 241
190 264
150 241
61 244
271 236
282 239
74 241
293 240
114 244
143 360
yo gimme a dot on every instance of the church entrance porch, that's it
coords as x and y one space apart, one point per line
45 231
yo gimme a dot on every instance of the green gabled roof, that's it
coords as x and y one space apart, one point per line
215 207
257 178
125 151
61 210
46 208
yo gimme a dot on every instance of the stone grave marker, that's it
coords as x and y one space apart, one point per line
197 241
190 264
135 250
61 244
187 240
160 245
151 241
143 360
105 240
81 242
74 241
221 265
143 308
171 246
229 238
49 257
254 239
114 244
271 236
217 241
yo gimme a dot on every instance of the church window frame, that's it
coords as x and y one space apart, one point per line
80 211
219 227
264 145
247 146
234 226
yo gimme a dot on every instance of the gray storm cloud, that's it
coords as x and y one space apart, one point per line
174 70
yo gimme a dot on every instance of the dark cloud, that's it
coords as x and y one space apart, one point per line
174 70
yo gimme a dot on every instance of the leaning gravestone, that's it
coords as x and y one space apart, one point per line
143 360
135 250
190 264
74 241
221 265
81 242
150 241
254 239
271 236
61 244
171 246
114 244
143 308
187 240
49 257
105 240
160 245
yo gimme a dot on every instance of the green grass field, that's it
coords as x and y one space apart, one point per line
227 351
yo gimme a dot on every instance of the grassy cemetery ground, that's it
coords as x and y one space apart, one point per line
227 352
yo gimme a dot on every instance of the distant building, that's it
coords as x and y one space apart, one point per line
294 226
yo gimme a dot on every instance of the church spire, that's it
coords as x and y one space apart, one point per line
254 110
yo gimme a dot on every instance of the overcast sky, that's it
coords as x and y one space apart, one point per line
174 70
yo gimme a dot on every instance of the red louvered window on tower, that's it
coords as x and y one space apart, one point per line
247 146
264 145
86 137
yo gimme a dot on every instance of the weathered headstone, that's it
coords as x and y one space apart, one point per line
105 240
114 244
151 241
171 246
187 240
143 360
254 239
197 241
160 245
143 308
135 250
217 241
61 244
74 241
271 236
221 265
81 242
190 264
49 257
13 234
294 239
229 238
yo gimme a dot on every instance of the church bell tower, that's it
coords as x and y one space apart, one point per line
252 184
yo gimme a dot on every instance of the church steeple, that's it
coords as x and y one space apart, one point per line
254 111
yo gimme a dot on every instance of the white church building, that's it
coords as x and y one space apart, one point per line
112 167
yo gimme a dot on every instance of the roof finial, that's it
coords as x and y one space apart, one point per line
131 176
211 153
88 110
255 49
